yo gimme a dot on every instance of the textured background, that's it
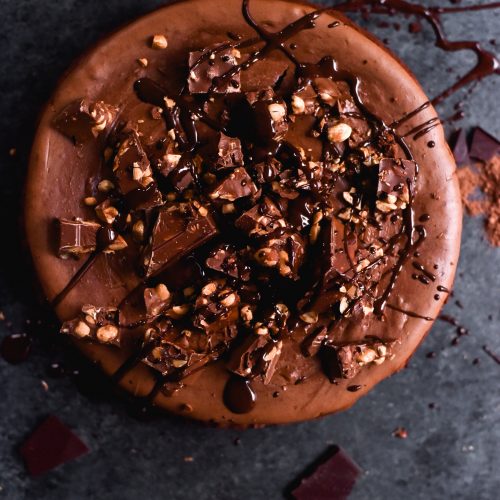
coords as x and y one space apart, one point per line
452 451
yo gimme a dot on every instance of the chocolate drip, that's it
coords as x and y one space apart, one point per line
239 396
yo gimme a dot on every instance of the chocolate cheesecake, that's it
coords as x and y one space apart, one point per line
244 212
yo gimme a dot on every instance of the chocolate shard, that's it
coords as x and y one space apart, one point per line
77 237
396 177
483 146
179 229
238 184
270 120
131 165
283 250
333 479
83 120
95 323
207 66
268 170
224 152
460 148
261 219
345 361
311 345
228 261
338 249
50 445
257 356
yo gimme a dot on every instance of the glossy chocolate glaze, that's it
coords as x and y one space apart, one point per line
386 91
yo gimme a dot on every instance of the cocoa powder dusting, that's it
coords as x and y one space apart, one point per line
480 188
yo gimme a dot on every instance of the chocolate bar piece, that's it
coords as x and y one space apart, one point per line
95 323
77 237
208 65
483 146
179 229
333 479
50 445
339 249
83 120
237 184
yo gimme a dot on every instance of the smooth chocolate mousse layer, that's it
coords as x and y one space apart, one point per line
245 212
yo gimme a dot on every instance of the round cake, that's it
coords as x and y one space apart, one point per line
244 212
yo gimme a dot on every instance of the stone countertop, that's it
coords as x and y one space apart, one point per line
452 450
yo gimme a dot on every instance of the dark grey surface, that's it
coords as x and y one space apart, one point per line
452 451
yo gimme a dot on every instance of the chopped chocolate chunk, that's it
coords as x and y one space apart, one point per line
77 237
284 251
95 323
83 120
179 229
156 299
460 148
237 184
208 65
305 101
261 219
483 146
333 479
312 343
270 120
258 355
268 170
224 152
347 360
50 445
395 178
131 165
216 308
339 246
227 261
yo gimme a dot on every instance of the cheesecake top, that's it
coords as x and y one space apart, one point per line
242 210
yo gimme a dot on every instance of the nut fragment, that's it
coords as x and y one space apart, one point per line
298 105
246 314
118 244
162 291
277 111
179 311
260 329
209 289
264 256
159 42
143 62
229 300
339 132
105 186
107 333
82 329
138 230
344 304
108 214
310 317
179 363
90 201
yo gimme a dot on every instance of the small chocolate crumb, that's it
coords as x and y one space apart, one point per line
400 432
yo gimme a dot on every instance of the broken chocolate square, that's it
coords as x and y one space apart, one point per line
237 184
333 479
207 66
50 445
83 120
77 237
179 229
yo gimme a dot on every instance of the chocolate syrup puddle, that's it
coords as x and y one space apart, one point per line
15 348
239 396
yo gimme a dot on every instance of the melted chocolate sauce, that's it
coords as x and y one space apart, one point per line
15 348
239 396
